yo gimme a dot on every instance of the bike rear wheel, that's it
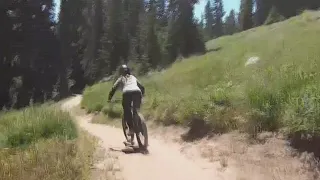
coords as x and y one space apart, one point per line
141 131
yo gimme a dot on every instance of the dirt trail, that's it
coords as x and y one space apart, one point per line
165 161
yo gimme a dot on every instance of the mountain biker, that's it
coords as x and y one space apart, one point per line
132 92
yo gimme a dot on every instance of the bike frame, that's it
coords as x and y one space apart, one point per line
139 127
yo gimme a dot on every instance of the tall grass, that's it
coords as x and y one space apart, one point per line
42 143
20 128
280 92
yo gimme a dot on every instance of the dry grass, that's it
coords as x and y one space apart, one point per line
43 142
49 159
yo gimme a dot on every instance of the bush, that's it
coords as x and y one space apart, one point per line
302 114
96 97
266 108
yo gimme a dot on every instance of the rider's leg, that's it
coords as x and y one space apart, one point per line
127 114
136 100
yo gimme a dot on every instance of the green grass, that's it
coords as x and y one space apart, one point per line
20 128
42 142
280 92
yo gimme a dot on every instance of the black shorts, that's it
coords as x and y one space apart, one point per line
130 98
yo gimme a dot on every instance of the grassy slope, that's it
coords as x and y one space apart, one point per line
42 143
281 91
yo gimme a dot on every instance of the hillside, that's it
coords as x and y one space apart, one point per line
279 93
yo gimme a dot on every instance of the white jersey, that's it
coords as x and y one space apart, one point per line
128 83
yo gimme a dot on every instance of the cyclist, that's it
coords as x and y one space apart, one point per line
132 92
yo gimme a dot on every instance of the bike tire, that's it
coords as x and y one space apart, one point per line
141 127
124 128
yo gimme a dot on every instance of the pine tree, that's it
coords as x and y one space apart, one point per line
161 12
183 37
262 10
115 33
172 42
246 8
29 52
6 36
230 26
70 35
153 49
209 19
201 27
274 16
218 14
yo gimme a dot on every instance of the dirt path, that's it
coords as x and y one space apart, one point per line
165 161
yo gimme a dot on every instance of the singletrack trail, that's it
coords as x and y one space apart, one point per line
164 161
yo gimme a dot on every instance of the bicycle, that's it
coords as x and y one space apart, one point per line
140 128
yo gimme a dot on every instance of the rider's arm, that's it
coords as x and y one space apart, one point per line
114 88
141 87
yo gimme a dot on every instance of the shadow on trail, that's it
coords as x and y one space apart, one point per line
303 143
134 150
198 129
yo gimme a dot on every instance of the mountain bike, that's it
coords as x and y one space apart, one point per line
140 128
